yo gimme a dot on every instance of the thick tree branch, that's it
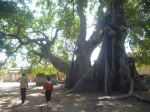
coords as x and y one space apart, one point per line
55 36
93 42
83 24
57 63
28 40
40 56
96 37
49 43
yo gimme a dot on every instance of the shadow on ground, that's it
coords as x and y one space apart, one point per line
62 102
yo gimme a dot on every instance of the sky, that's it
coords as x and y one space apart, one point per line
2 56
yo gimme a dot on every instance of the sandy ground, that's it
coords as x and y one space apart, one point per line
62 102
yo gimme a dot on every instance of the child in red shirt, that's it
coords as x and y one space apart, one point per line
48 88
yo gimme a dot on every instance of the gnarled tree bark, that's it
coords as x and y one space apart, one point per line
83 49
113 70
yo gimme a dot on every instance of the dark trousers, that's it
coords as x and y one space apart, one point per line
23 94
48 95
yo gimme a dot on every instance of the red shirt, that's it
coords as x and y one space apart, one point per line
48 86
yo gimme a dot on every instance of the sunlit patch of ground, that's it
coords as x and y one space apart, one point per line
62 102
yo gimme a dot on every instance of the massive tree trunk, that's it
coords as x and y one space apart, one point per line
83 49
113 70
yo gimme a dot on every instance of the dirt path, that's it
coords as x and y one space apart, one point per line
62 102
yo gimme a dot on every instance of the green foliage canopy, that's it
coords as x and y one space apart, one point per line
139 29
20 22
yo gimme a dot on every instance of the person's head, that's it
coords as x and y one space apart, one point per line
23 74
48 78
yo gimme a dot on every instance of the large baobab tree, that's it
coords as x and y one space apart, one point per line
113 70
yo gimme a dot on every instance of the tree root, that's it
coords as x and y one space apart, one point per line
100 107
121 97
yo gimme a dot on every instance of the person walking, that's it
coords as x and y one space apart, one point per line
23 86
48 88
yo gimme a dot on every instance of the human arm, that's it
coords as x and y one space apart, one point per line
44 87
52 87
27 85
